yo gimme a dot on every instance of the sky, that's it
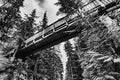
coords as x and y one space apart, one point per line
51 13
48 6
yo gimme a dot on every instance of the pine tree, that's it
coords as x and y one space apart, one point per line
45 21
68 6
73 68
28 25
10 14
69 49
10 21
49 64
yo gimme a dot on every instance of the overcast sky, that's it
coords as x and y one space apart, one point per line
47 6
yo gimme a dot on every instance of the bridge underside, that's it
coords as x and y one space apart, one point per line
50 41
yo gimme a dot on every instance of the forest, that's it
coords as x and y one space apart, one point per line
94 56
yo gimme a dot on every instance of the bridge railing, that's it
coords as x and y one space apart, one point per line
53 28
65 22
92 6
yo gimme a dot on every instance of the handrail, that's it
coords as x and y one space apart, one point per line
50 27
56 26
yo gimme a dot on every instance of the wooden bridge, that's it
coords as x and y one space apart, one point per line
58 31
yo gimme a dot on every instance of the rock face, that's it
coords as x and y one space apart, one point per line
111 24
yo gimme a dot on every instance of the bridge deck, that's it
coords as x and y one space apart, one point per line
56 32
51 40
